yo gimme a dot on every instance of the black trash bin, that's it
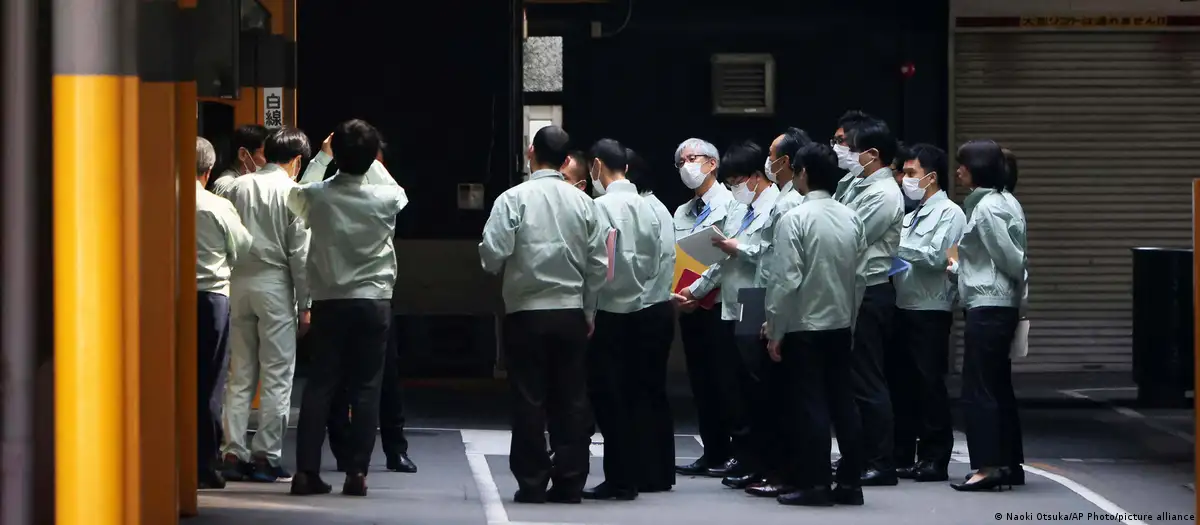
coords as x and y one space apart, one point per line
1163 351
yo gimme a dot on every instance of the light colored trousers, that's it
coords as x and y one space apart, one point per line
263 348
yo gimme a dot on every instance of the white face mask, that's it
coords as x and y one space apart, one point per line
771 176
597 187
691 175
847 159
743 194
912 188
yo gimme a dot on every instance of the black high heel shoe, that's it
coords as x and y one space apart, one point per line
994 480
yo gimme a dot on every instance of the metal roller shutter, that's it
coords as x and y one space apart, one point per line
1106 126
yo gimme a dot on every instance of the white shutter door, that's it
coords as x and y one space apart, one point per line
1106 128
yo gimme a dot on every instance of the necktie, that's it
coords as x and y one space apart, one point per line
699 207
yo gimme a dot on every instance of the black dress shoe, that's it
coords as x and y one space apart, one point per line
928 472
696 468
733 467
233 469
309 484
401 463
604 491
355 484
527 496
1015 476
561 495
741 482
211 479
993 480
878 478
768 490
847 495
815 497
909 472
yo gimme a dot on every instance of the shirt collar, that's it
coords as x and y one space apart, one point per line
817 195
621 186
272 169
542 174
712 193
788 187
881 174
927 207
199 187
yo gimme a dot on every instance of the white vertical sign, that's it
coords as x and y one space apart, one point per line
273 107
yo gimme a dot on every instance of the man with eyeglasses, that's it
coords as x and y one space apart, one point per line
705 342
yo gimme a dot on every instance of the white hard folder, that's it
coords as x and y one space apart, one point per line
1020 342
699 246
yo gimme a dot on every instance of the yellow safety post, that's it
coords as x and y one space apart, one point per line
91 75
186 127
158 74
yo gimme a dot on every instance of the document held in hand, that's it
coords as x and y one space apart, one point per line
686 280
700 247
610 249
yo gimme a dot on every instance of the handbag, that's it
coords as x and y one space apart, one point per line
1020 341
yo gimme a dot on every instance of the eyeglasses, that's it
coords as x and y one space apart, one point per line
839 140
689 159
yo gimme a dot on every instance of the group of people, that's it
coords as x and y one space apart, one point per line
862 257
282 257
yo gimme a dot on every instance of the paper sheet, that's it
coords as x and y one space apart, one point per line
610 248
699 246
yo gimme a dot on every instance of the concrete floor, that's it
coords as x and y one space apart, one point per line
1089 454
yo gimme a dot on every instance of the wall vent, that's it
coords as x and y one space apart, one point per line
743 84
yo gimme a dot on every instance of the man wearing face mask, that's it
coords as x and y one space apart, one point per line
925 297
267 293
616 371
576 170
872 193
847 159
743 170
707 345
903 155
245 156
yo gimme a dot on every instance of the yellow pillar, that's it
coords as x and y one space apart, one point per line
92 83
185 325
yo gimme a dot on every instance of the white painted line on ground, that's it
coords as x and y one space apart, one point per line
1107 389
1086 493
489 493
1133 414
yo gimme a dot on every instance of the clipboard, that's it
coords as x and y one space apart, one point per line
754 311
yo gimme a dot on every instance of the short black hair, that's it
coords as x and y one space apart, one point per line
903 154
611 153
820 164
851 119
874 134
285 144
931 158
249 136
355 146
639 172
580 157
742 159
986 162
1010 161
550 146
793 139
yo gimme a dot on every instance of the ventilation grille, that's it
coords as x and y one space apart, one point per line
743 84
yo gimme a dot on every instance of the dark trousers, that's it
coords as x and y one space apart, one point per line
917 366
713 367
654 329
391 408
759 442
615 377
817 367
212 355
871 334
988 401
351 341
545 353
